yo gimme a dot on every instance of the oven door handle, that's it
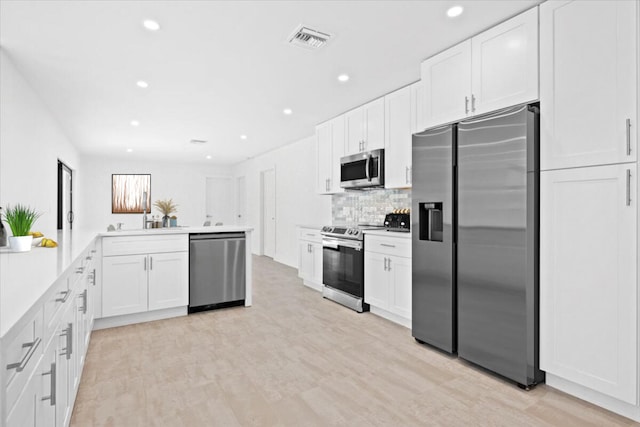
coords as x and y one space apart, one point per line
335 244
331 246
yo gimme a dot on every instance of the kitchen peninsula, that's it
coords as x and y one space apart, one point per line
52 298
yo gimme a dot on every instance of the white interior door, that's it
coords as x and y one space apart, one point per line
241 201
220 202
269 212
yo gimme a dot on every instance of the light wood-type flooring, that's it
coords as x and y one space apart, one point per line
295 359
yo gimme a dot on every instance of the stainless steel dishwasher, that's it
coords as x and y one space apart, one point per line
217 270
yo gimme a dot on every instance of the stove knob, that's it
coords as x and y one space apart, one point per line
356 232
349 231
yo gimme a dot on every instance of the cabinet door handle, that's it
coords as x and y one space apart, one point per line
68 334
628 187
473 103
628 137
387 245
388 264
385 263
83 309
93 277
466 105
52 397
406 174
145 263
19 366
65 296
80 270
150 263
410 174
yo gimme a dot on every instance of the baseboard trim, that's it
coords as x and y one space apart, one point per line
391 316
130 319
312 285
592 396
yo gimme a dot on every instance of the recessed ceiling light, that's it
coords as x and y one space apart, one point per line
151 25
209 157
287 111
454 11
135 123
243 136
142 84
129 150
343 78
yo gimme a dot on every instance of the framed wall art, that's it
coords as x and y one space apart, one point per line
128 193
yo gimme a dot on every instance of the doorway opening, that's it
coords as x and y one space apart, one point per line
241 200
65 197
268 212
219 201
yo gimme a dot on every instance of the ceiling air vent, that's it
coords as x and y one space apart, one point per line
309 39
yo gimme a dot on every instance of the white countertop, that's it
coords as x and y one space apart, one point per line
311 227
26 276
385 233
177 230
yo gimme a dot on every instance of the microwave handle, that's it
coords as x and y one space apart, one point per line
367 170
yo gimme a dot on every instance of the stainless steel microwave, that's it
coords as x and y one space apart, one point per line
362 170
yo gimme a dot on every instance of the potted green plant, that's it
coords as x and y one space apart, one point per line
20 219
167 207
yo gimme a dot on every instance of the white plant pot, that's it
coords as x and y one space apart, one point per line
20 243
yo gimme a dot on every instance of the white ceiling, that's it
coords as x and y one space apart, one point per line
219 69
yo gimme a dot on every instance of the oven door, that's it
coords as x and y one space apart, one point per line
343 265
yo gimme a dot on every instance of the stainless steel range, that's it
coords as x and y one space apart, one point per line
343 265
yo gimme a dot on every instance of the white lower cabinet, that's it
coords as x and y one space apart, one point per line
46 351
124 289
310 257
387 277
145 279
588 278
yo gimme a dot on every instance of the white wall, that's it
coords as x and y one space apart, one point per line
184 183
31 142
296 199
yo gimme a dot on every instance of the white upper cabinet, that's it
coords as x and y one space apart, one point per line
365 127
504 64
588 86
588 277
495 69
447 82
398 130
417 107
323 157
329 148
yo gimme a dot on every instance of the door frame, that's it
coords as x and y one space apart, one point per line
262 209
61 216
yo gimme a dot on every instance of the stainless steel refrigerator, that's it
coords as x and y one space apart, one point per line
475 241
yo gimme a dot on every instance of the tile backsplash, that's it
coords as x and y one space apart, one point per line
367 207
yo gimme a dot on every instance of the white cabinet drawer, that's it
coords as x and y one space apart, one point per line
130 245
310 234
21 355
396 246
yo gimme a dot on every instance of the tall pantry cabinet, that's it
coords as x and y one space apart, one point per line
589 201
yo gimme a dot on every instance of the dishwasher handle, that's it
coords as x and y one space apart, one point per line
216 236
